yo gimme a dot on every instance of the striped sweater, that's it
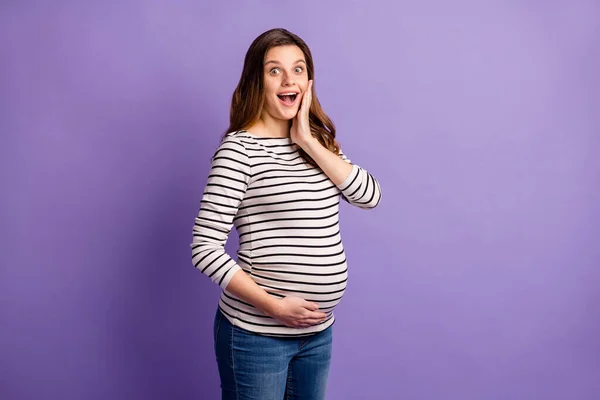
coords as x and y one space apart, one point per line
286 214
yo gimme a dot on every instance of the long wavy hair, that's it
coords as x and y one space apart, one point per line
248 98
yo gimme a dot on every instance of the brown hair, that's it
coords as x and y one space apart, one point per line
248 98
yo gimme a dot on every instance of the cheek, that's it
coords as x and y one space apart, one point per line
303 85
270 92
269 102
270 86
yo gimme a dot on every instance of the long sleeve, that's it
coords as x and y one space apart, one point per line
227 182
360 188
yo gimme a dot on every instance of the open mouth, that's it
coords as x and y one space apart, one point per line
288 99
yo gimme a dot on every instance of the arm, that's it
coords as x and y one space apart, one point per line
246 289
227 182
358 187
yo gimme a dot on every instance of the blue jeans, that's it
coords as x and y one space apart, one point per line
258 367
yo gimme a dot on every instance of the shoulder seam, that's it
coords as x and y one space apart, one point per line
238 141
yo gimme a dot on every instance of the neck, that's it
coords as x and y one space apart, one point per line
270 127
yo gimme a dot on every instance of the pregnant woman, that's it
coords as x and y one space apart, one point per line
278 175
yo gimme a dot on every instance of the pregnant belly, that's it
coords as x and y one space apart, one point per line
324 288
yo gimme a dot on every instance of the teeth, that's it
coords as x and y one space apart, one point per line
287 94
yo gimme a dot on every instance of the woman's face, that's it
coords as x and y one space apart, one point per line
285 80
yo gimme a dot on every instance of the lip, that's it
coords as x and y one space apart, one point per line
288 91
291 104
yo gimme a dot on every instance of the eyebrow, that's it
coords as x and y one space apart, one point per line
277 62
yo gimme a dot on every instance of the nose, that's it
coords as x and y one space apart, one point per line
288 80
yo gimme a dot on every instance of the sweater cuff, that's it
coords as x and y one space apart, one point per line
228 275
348 181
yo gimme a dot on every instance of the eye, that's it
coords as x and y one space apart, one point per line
299 70
274 71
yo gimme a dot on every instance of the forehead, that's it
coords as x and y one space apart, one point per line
287 54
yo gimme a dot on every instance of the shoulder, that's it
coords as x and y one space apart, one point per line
233 145
343 156
237 136
234 139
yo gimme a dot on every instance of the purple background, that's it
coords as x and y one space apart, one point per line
477 277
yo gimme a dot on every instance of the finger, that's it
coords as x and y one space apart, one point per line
311 322
301 112
308 96
305 97
311 306
316 314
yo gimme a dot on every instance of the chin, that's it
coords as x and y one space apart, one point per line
287 116
282 113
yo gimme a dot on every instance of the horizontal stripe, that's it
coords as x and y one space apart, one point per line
286 213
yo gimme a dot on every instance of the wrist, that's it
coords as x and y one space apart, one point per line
271 306
309 145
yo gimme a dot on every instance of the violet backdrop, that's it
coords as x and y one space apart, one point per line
477 277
